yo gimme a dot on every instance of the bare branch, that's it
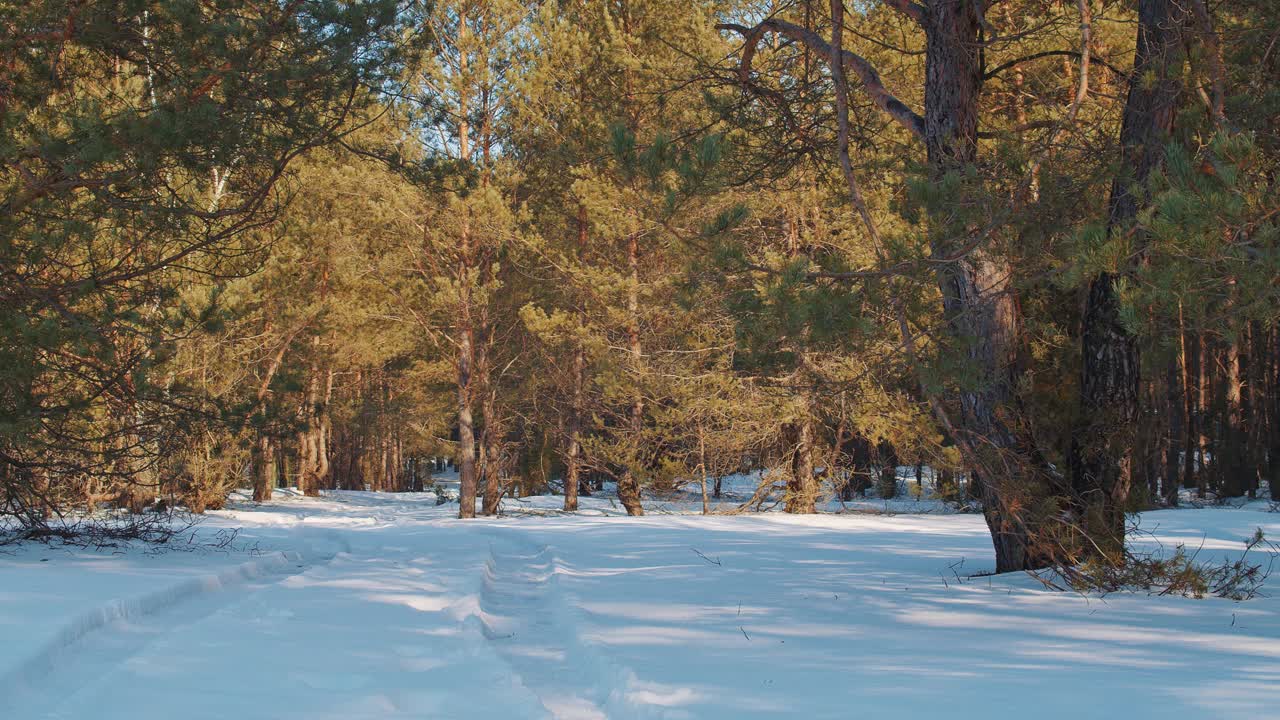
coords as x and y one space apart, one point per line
915 11
856 64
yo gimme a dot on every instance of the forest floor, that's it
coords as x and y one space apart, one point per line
361 605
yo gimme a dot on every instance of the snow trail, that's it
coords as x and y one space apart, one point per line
520 619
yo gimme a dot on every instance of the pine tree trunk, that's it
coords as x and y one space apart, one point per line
308 444
1233 432
888 485
466 323
1176 433
1188 361
466 429
492 452
802 492
978 300
1103 443
573 450
628 485
264 469
282 463
323 429
702 467
1273 410
1203 416
1255 410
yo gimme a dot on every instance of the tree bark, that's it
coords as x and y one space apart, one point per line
264 469
492 441
888 485
978 300
702 467
628 484
1102 443
1273 410
1173 401
802 493
1202 416
1234 467
466 431
573 449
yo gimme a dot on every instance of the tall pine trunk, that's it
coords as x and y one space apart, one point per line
628 484
491 439
573 449
264 463
1273 413
802 492
978 300
1103 442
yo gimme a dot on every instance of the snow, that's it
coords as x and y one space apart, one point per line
365 605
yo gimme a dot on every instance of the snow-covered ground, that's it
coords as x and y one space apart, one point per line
359 605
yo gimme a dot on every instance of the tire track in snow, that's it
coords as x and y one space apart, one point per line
525 617
96 642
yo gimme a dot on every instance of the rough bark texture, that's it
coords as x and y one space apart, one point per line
978 301
628 485
493 489
888 482
1234 456
1273 427
573 451
802 486
264 469
1103 443
573 442
466 431
487 463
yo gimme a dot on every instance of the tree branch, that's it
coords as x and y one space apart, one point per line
856 64
1050 53
915 11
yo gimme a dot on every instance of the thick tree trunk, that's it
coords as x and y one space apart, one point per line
466 429
466 324
702 467
1177 431
1102 444
1189 411
978 299
1255 409
573 451
323 429
802 486
628 484
1273 409
888 484
1203 416
308 440
492 452
1234 466
264 469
